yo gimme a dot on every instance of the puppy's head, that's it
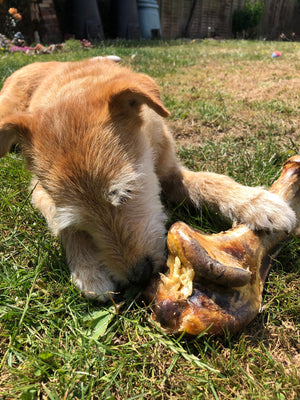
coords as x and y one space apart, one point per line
90 154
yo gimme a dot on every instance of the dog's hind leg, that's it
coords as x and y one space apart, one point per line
19 88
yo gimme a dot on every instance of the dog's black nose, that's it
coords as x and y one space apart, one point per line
142 272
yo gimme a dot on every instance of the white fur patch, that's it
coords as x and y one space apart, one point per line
65 217
95 283
110 57
124 187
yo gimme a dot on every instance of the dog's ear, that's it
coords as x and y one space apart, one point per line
129 96
13 129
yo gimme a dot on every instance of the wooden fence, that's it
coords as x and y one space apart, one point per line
205 18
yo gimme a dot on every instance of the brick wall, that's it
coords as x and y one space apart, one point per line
50 28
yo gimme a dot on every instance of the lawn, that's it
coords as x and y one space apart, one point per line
235 110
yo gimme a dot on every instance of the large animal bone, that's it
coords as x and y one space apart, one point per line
215 282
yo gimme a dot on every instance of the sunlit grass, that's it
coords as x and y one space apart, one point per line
234 111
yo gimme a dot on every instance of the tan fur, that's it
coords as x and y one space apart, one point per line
93 135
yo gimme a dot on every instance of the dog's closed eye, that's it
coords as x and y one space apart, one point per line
121 190
119 197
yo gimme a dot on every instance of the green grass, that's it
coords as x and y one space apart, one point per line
234 111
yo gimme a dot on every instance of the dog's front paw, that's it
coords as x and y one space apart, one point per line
94 284
265 211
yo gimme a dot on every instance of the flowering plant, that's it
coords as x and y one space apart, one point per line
85 44
4 43
20 49
15 15
11 22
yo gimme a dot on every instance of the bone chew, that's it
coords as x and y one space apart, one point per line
215 282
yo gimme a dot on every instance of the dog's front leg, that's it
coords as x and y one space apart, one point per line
254 206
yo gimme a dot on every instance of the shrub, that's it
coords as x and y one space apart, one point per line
248 18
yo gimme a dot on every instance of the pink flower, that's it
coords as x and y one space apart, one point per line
16 49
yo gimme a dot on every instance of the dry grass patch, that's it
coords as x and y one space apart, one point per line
239 98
